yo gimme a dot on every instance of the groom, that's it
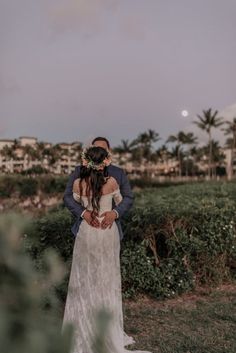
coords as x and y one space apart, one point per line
80 211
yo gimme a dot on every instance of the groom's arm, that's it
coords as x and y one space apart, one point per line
74 207
127 194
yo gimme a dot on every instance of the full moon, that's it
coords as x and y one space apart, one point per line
184 113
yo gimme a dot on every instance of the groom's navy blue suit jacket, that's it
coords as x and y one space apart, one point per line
76 208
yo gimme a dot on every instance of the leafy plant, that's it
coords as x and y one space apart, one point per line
30 317
176 238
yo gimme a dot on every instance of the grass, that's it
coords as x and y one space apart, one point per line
210 190
200 322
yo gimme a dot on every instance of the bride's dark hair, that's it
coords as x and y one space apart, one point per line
94 179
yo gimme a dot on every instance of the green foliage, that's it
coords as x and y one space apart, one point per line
17 184
140 274
147 182
24 185
52 230
8 185
53 185
28 187
30 319
176 238
35 170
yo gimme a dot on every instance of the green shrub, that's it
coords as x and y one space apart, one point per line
30 320
22 185
35 170
8 185
175 239
28 187
52 230
53 185
141 275
145 182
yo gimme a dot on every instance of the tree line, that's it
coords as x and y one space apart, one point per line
185 145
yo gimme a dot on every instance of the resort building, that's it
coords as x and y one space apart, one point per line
26 140
27 153
6 142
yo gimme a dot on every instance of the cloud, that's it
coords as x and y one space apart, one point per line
82 15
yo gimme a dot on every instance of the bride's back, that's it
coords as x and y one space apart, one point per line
110 191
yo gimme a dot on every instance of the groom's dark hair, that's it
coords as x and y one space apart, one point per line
99 138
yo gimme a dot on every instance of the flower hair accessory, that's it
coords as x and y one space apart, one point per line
87 162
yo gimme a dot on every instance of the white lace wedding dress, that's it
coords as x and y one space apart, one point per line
95 282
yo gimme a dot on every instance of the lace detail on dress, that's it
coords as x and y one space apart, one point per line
95 283
111 191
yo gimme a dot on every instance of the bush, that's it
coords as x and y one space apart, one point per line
198 246
8 185
53 185
26 185
52 230
22 185
35 170
175 239
140 273
30 319
145 182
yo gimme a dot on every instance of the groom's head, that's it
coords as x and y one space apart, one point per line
101 142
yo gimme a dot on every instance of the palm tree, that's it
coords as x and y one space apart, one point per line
177 153
163 153
195 154
144 143
191 141
41 149
31 152
180 140
53 154
206 122
8 152
124 147
231 142
217 155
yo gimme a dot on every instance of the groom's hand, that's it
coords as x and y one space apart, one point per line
108 219
94 222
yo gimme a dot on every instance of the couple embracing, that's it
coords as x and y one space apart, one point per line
98 194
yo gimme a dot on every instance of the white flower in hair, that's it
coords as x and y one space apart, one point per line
87 162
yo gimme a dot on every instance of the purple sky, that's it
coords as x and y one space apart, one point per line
74 69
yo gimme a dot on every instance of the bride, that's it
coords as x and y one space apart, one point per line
95 278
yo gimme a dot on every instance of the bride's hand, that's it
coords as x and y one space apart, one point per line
94 222
108 219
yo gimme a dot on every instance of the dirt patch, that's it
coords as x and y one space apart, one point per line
186 299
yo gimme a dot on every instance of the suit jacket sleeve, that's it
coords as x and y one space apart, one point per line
127 194
74 207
